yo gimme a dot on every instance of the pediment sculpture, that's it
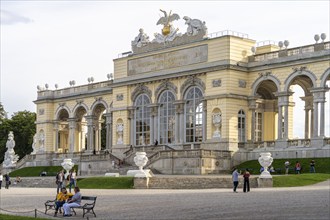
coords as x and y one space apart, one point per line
169 35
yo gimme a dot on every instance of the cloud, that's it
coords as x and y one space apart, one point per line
10 18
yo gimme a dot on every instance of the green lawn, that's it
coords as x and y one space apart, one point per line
106 183
35 171
299 180
321 165
14 217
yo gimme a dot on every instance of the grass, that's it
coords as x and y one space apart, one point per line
15 217
299 180
35 171
106 183
321 165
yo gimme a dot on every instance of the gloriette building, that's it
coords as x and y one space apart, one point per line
210 101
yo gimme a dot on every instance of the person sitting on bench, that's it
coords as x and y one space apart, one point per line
61 198
74 202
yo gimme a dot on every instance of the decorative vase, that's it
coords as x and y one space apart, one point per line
265 161
67 165
141 160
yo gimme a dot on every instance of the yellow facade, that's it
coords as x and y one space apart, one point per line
231 80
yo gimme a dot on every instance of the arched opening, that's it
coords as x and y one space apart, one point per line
63 131
300 111
99 126
81 129
266 112
194 115
142 120
166 117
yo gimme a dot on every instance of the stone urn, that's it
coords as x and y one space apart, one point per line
141 160
265 161
67 165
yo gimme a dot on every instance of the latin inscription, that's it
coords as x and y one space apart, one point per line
168 60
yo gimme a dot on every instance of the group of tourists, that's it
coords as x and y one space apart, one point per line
298 167
66 199
61 180
246 178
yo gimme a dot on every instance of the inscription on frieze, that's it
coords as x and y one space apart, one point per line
168 60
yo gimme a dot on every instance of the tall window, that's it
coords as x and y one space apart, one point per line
166 118
142 120
241 126
258 131
194 115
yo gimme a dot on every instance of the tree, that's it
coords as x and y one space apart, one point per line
23 125
3 113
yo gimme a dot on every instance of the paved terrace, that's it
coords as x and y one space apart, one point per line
309 202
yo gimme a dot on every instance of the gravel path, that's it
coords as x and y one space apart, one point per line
309 202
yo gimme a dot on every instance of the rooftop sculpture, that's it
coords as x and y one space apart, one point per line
169 35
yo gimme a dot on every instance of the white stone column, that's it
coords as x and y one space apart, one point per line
179 121
306 123
286 122
204 120
279 123
311 128
56 136
253 125
109 131
90 134
131 119
72 130
322 119
316 119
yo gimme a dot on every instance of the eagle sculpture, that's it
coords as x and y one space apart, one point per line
167 19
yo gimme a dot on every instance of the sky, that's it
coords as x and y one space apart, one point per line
55 42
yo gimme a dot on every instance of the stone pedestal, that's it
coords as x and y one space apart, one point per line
138 173
141 183
265 182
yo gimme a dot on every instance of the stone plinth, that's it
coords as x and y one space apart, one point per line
141 183
139 173
265 182
112 174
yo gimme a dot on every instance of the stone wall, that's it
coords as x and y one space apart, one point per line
35 182
196 182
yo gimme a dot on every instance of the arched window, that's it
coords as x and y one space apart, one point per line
241 126
166 117
142 120
194 115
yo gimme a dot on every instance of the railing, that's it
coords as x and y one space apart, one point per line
291 52
226 33
199 153
266 42
299 143
73 90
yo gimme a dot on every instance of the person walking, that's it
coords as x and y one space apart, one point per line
246 176
287 164
73 179
235 179
7 179
75 201
312 166
1 178
59 180
298 167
